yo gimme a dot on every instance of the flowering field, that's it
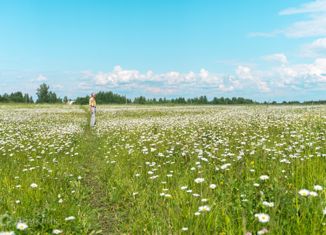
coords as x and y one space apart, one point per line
163 170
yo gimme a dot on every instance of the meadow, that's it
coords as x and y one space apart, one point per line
163 170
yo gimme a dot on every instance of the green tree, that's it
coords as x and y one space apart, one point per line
43 94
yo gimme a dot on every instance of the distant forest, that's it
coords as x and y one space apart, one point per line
44 95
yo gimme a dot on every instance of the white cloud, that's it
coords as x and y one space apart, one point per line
41 78
244 72
203 74
315 49
298 75
224 88
311 7
249 78
120 76
160 90
277 57
281 75
313 25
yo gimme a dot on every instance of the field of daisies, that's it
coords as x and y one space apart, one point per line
163 170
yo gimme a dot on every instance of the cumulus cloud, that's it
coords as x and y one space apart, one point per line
250 79
224 88
160 90
315 49
121 76
277 57
299 75
280 75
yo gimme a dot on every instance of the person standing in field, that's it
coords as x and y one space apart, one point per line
92 108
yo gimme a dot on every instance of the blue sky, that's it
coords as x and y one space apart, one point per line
264 50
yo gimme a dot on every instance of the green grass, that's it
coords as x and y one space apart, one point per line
134 163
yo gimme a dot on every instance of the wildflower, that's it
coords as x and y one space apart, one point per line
225 166
33 185
324 211
184 229
17 201
212 186
60 200
318 188
21 226
184 187
204 208
56 231
70 218
262 217
134 194
313 194
256 185
264 177
262 231
199 180
197 213
268 204
7 233
304 192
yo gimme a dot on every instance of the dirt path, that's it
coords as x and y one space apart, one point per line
92 167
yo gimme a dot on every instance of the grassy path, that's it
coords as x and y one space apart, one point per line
92 166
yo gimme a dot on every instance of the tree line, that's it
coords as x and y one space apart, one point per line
196 100
45 95
16 97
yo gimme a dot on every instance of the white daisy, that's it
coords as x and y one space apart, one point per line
70 218
304 192
318 188
199 180
264 177
204 208
262 217
57 231
21 226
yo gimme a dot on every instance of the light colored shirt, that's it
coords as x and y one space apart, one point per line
92 102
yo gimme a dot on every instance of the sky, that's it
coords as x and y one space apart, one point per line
263 50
